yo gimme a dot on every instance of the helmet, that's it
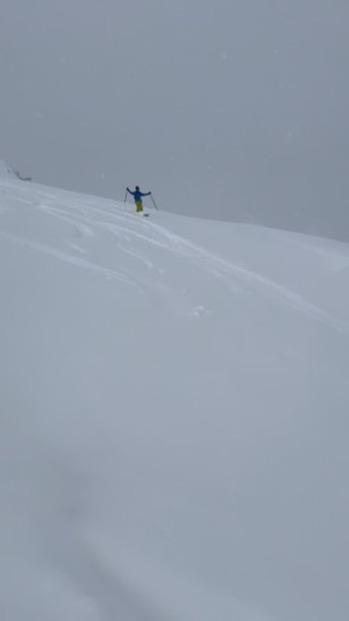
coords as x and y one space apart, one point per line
137 187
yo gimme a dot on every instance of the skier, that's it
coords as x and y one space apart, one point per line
137 195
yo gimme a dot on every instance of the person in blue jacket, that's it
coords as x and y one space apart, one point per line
137 195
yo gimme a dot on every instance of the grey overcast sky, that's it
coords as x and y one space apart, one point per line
233 109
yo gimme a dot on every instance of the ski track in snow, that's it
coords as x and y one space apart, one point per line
66 258
126 226
218 267
224 270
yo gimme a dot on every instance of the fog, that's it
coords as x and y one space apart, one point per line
230 110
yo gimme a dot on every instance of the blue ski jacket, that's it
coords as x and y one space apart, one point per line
137 194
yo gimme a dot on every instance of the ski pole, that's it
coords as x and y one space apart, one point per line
154 203
125 199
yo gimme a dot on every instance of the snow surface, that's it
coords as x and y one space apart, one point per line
174 421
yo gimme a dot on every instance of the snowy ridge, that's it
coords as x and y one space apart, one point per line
174 427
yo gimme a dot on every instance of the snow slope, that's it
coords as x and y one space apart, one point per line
174 421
